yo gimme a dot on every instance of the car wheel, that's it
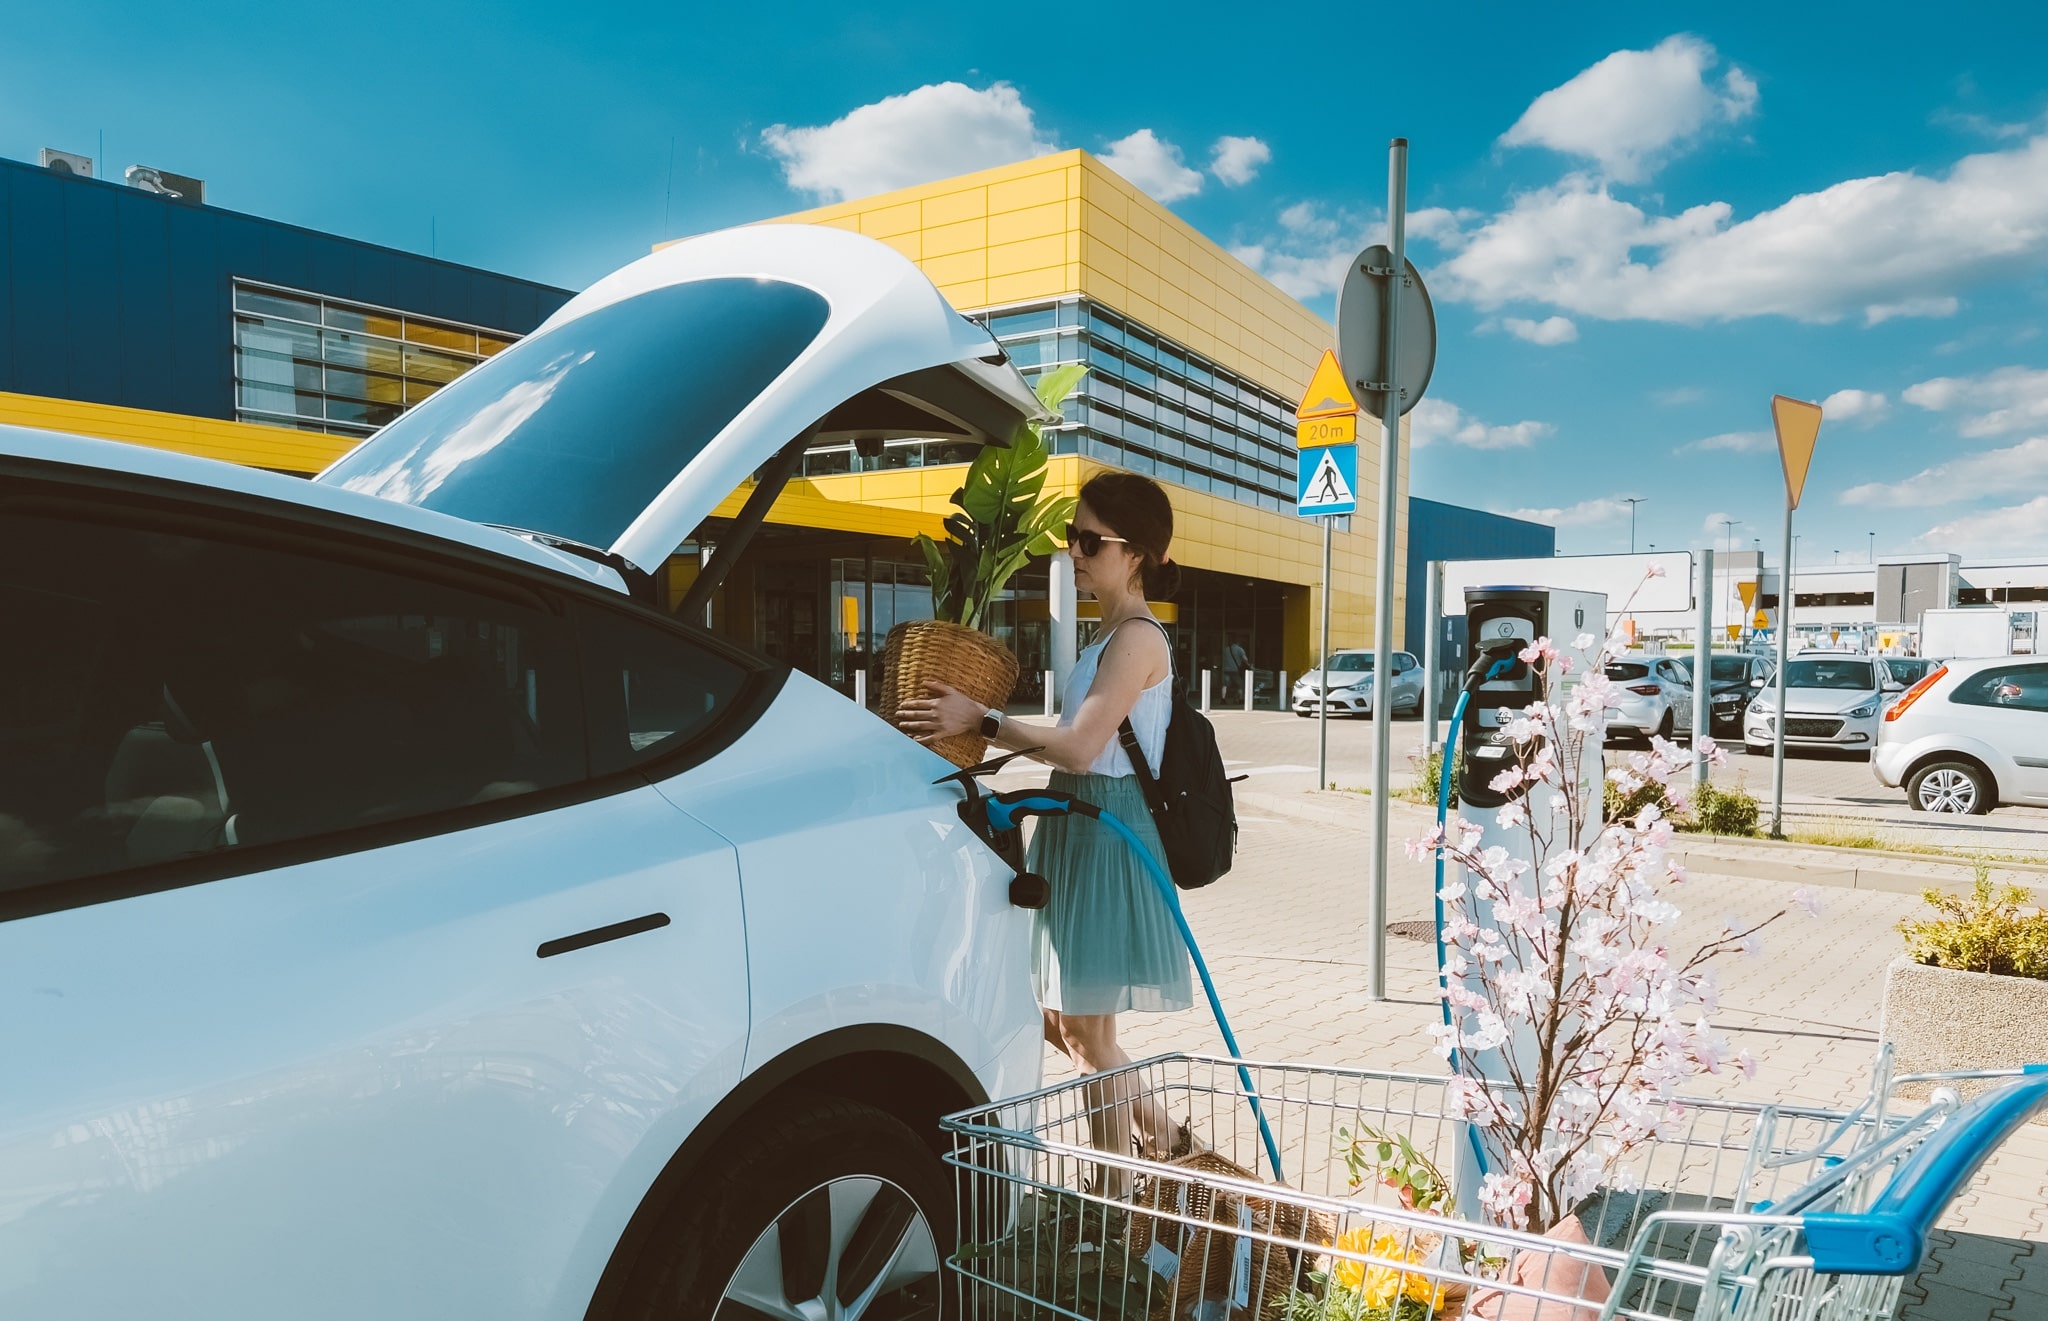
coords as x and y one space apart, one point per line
828 1208
1302 714
1950 786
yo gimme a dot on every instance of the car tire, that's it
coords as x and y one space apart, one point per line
1756 749
1952 787
1667 726
1302 714
851 1188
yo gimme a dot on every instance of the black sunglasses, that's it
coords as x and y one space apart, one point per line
1088 541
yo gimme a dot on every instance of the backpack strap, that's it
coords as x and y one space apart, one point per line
1127 737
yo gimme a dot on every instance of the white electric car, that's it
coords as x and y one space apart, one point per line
1347 685
1832 701
1969 735
402 917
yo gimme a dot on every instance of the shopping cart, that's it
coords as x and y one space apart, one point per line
1743 1210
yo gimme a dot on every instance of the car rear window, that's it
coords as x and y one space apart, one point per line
1619 671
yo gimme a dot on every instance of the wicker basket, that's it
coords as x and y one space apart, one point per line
960 657
1208 1257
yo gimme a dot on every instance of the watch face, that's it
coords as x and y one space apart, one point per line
991 725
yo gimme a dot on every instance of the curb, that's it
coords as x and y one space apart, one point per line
1751 859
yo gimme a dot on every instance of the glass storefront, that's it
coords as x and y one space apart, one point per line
324 364
1147 404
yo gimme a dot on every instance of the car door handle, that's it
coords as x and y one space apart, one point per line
599 935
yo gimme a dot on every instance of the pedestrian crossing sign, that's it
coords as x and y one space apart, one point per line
1326 484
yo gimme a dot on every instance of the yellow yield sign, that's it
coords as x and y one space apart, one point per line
1327 395
1798 426
1747 591
1734 632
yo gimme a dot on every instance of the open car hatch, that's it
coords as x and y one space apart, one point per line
633 411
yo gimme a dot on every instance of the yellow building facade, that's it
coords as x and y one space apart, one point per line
1067 227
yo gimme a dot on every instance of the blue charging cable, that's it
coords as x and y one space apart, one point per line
1006 810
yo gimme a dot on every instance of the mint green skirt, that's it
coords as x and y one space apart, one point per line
1106 942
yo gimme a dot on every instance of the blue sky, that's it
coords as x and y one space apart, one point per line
1639 221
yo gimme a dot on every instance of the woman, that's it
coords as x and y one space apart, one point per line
1106 943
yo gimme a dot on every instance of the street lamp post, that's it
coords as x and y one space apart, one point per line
1633 501
1731 524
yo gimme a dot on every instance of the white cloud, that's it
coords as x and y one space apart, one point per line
1863 406
1998 403
1890 245
2013 530
1716 525
2022 467
1586 513
1636 106
1154 165
1735 442
1678 395
1547 332
1236 161
934 131
1440 224
1439 421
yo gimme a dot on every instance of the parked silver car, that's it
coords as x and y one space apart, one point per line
1969 736
1831 701
1350 688
1655 697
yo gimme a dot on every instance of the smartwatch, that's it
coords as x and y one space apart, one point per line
991 723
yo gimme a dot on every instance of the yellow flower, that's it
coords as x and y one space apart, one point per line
1381 1285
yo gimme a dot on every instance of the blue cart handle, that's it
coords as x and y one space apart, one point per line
1891 1237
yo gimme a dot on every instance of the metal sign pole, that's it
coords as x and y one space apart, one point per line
1432 652
1323 664
1703 671
1786 596
1383 603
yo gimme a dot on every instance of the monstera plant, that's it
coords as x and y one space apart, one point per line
1004 519
1002 524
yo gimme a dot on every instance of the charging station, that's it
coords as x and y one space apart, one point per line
1497 619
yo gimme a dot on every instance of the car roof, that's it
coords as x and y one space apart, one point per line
57 447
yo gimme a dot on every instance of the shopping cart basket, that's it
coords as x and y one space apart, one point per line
1743 1210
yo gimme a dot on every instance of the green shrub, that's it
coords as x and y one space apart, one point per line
1625 806
1986 932
1429 773
1718 811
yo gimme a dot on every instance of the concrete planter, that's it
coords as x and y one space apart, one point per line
1938 1019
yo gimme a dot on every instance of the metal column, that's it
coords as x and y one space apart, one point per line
1383 604
1703 670
1786 597
1432 652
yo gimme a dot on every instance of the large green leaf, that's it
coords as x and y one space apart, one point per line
1003 521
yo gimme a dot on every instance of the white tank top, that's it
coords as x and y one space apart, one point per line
1148 717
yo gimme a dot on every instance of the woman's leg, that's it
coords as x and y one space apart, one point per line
1112 1107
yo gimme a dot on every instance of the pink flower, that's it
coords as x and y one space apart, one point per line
1808 900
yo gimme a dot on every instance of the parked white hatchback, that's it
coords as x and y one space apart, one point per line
402 916
1653 695
1969 736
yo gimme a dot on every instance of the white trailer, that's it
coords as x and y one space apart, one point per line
1966 632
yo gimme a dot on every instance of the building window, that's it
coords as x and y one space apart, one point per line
324 364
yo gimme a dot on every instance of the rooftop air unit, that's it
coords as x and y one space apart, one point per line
180 186
64 162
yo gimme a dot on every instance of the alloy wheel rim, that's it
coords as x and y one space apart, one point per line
1948 791
856 1248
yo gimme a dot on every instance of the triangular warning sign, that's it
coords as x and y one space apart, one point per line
1798 424
1747 591
1327 486
1327 394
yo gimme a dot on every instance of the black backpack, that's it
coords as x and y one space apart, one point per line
1190 799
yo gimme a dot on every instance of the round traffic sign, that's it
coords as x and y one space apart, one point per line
1362 326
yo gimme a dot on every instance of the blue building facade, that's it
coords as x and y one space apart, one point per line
1437 531
113 295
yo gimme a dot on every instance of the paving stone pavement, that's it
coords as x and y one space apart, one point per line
1286 936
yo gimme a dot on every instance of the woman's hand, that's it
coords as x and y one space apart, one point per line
946 712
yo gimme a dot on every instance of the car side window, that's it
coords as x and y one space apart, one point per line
651 689
179 687
2015 687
